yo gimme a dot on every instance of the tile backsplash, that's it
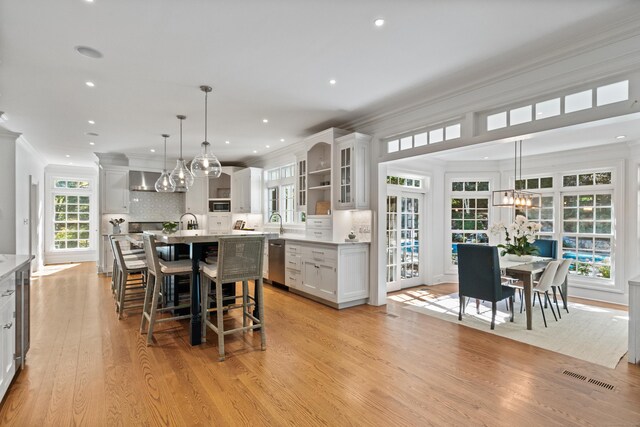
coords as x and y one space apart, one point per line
151 206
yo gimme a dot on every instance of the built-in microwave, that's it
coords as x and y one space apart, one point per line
219 206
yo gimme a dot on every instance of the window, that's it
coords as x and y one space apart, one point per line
470 186
424 137
281 191
72 220
587 233
404 182
288 203
272 202
541 211
469 222
273 174
73 184
586 179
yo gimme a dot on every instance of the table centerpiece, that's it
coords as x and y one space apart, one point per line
519 237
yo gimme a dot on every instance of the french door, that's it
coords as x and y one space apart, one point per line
404 239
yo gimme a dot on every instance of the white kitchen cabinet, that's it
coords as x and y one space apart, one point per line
196 199
301 183
336 275
219 222
115 190
352 172
246 191
7 339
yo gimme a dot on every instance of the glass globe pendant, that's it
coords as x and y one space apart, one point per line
165 184
181 175
206 163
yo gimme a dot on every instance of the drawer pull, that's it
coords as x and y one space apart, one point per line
8 293
8 325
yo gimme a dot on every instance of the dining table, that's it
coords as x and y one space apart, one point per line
198 240
527 272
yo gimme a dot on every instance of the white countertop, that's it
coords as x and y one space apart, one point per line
203 236
11 263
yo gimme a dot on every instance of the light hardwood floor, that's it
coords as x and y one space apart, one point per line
360 366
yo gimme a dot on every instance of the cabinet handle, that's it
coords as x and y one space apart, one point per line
8 325
8 293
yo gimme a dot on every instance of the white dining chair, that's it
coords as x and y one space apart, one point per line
543 285
558 281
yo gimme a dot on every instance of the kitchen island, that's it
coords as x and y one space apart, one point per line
198 240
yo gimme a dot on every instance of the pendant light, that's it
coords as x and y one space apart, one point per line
165 183
181 174
206 163
515 197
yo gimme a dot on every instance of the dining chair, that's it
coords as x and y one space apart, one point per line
479 277
546 248
543 285
239 260
558 281
154 295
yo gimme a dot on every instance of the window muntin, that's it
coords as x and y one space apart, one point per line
588 233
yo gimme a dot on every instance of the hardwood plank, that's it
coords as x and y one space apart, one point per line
361 366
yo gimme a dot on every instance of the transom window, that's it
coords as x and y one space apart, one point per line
585 179
425 137
404 182
73 184
470 186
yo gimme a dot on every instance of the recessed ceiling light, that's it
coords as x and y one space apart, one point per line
91 134
91 122
153 150
265 120
379 22
227 142
90 84
621 136
89 52
70 163
89 1
255 151
332 81
92 143
67 155
281 139
485 158
267 146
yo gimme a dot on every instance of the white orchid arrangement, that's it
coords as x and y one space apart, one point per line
519 236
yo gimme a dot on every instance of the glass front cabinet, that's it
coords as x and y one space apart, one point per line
352 170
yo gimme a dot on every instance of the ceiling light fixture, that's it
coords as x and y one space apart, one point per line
621 136
165 183
67 155
265 120
89 52
181 175
90 84
281 139
92 143
332 82
255 151
515 197
227 142
153 150
379 22
91 122
267 146
206 163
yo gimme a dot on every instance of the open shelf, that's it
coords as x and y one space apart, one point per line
320 187
320 171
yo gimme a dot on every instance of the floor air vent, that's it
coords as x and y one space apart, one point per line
589 380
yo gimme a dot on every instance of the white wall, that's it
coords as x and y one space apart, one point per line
29 163
54 171
8 191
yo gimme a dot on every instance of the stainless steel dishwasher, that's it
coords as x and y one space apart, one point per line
276 261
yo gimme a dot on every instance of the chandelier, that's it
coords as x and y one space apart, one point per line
515 197
181 175
206 163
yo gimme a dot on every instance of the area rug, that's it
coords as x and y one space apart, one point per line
595 334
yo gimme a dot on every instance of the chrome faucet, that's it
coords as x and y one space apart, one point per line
185 214
279 216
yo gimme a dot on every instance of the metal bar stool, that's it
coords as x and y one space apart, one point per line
154 295
131 275
239 259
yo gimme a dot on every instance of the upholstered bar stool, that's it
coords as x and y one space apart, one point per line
131 276
154 295
239 259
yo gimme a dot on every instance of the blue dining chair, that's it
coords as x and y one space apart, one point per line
479 277
547 248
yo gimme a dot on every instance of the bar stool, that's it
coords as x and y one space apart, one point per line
129 255
131 275
239 259
154 295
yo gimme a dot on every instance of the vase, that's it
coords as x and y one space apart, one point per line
116 228
520 258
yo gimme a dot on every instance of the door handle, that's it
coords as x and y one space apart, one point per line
8 293
8 325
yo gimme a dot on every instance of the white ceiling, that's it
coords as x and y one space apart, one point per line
264 59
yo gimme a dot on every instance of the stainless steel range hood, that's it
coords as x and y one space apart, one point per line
143 181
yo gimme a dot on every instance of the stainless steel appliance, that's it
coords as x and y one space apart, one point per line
219 206
142 180
23 315
276 261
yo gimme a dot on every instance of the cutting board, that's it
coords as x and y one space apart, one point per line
323 207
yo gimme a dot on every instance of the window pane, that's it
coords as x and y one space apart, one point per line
420 139
435 136
457 186
497 121
546 182
615 92
585 179
452 132
578 101
602 178
483 186
548 108
393 146
406 143
569 181
520 115
603 199
532 183
469 186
